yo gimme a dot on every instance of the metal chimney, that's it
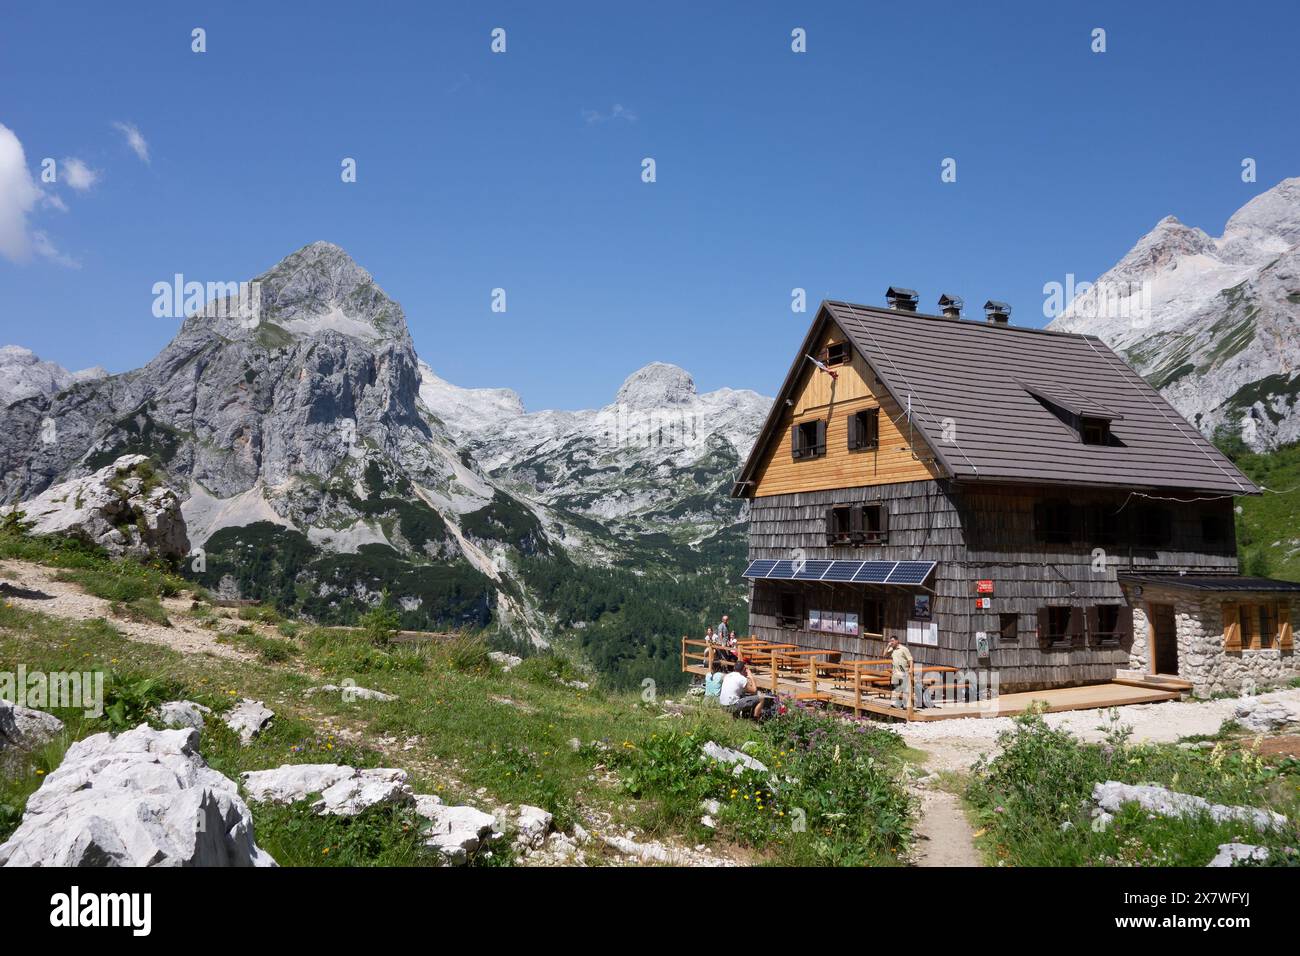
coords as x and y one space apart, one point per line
997 313
900 299
951 306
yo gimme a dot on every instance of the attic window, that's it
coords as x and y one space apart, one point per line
838 353
1095 431
864 429
808 439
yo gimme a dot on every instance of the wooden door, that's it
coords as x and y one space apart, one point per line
1164 639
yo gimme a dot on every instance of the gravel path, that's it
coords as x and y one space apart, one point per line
943 836
956 744
62 599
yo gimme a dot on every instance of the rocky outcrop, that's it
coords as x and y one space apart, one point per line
1230 854
183 713
1263 716
457 832
22 728
1111 796
124 508
248 718
142 798
23 375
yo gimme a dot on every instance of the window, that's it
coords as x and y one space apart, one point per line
1058 624
1214 529
1107 623
1056 521
873 617
1155 526
838 353
1104 523
864 429
839 525
808 439
1094 431
790 614
1256 626
875 524
1009 627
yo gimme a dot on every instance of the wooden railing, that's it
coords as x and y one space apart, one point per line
819 674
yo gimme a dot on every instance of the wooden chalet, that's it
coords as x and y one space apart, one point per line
1013 503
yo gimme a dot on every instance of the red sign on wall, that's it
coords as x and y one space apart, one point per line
983 587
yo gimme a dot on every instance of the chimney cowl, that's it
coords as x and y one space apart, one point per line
997 313
951 305
900 299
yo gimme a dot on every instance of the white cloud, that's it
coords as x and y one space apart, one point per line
616 112
78 175
134 139
18 194
55 200
45 249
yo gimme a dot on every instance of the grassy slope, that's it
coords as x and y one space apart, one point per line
1268 527
462 724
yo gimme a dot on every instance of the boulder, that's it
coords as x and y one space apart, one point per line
1112 795
741 761
1231 853
1263 716
531 826
25 728
122 507
142 798
248 718
344 791
507 661
456 832
369 788
351 692
183 713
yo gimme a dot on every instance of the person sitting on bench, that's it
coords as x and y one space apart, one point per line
740 694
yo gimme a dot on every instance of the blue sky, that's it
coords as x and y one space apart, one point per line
522 170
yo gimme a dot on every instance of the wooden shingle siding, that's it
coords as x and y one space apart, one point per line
974 532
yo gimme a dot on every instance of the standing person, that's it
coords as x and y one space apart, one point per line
900 659
724 632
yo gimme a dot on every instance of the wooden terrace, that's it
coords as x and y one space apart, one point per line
866 686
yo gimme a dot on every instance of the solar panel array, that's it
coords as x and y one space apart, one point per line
844 572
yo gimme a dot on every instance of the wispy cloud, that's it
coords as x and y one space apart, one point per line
616 112
78 175
45 249
134 139
54 200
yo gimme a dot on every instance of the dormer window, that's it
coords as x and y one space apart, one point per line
864 429
808 439
838 353
1094 431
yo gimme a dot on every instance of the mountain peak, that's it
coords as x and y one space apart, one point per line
24 374
657 384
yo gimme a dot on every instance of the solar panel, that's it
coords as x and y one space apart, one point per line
781 571
813 570
874 572
758 569
910 572
841 571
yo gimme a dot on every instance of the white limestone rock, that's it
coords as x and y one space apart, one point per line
531 824
1263 716
368 788
508 662
456 832
142 798
290 783
741 761
248 718
119 507
1112 795
1231 853
351 692
183 713
25 728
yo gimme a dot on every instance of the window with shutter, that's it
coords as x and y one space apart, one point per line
1285 640
808 439
838 353
839 525
864 429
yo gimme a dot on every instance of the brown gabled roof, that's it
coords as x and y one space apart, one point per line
967 380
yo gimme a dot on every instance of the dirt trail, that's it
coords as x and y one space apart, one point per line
37 588
943 836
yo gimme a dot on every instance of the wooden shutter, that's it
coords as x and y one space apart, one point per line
1042 625
821 436
1124 625
796 448
855 431
857 522
1284 638
1231 627
1093 618
830 524
872 437
884 524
